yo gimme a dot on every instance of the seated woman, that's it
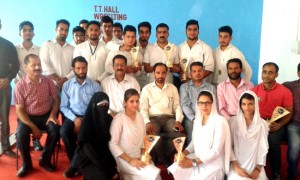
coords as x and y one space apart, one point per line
95 161
127 139
250 140
209 151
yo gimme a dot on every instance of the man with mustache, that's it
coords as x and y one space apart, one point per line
75 96
230 90
37 104
56 55
94 51
116 84
225 52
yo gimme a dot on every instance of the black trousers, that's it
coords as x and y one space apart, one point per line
23 138
69 137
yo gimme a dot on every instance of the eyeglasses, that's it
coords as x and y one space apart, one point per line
208 103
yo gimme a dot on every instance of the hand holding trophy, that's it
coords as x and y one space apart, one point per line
184 64
278 113
134 53
149 142
178 143
168 51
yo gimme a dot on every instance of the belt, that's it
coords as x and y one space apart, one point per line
163 116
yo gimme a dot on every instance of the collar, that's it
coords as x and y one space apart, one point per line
86 81
28 81
190 83
126 78
153 84
32 47
55 42
262 84
227 81
228 47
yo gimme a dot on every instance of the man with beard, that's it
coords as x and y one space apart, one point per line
118 30
156 53
37 105
116 84
76 94
193 49
94 52
56 55
225 52
162 114
230 90
189 92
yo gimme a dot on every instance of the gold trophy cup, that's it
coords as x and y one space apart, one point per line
134 53
278 113
178 143
184 63
168 51
149 142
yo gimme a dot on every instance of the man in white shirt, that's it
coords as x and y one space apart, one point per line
57 55
107 30
116 84
162 114
157 53
94 51
193 49
144 31
118 30
78 35
225 52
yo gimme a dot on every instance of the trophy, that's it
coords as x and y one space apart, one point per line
168 51
178 143
184 63
149 142
134 53
278 113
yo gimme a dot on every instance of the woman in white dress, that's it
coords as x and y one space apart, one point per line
249 140
127 140
207 156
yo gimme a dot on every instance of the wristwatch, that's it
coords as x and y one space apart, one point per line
194 162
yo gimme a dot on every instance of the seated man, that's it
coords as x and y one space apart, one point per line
75 96
162 113
37 105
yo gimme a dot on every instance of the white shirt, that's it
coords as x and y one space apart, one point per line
57 59
142 50
156 102
155 54
96 60
22 53
114 40
199 52
221 57
116 90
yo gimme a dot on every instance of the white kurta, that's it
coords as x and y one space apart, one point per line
127 136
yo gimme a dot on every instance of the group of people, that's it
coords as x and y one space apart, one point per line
110 97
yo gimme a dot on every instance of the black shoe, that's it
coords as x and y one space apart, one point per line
10 153
71 172
37 145
276 176
23 171
47 166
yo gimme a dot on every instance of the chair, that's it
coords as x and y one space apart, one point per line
54 155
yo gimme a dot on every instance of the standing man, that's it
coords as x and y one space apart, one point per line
162 113
272 94
225 52
118 30
293 129
76 95
26 32
230 90
116 84
156 53
56 55
83 23
189 92
37 105
193 49
107 29
144 31
94 52
8 70
78 35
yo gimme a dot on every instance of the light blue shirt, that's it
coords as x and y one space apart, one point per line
75 97
188 97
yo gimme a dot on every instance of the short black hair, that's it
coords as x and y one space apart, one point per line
226 29
196 63
26 59
79 59
272 64
162 25
119 56
159 64
24 23
117 24
93 22
83 21
145 24
63 21
129 28
192 22
78 28
234 60
106 19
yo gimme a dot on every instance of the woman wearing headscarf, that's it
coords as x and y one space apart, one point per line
207 156
95 160
249 140
127 140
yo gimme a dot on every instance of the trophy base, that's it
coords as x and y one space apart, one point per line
184 77
146 159
169 64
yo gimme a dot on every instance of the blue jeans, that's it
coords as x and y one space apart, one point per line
293 136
